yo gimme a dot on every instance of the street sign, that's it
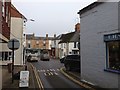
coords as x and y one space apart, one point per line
24 79
15 42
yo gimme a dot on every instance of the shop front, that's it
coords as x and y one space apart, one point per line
112 52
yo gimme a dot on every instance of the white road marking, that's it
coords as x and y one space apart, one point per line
58 69
48 70
38 70
53 69
55 73
42 70
51 73
45 74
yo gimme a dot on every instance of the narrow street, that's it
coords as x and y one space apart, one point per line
51 77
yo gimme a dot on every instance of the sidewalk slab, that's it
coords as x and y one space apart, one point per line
7 78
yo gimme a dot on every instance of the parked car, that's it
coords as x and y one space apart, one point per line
62 59
72 62
32 58
44 56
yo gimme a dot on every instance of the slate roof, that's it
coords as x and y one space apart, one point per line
70 37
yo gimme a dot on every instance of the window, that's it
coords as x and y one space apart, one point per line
75 44
4 56
28 45
3 9
113 55
37 42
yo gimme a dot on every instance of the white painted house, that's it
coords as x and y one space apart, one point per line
100 44
69 44
17 27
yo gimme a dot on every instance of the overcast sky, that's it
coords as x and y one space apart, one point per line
51 16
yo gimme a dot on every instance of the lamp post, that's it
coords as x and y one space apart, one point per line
25 46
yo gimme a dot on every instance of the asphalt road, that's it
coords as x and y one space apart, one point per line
51 77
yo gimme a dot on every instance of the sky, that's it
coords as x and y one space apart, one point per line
51 16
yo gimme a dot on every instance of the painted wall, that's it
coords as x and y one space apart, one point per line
102 19
17 33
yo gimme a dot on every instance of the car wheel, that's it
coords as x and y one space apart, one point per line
67 67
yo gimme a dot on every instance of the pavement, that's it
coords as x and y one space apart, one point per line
75 77
7 78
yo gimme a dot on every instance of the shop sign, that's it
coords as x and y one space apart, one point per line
24 79
112 37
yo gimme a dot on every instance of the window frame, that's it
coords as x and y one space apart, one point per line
107 59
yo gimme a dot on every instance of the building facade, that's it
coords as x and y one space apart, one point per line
5 17
40 43
100 44
17 27
68 43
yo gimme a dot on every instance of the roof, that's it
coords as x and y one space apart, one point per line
16 13
70 37
89 7
31 37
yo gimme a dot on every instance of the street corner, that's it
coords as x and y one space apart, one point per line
75 77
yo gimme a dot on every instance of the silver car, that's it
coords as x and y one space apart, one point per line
33 57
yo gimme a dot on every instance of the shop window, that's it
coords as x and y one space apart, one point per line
113 55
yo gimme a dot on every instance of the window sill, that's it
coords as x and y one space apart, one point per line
113 71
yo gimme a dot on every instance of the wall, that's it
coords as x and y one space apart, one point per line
0 16
17 33
102 19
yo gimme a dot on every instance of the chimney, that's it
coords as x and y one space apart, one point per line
54 35
33 35
77 27
46 36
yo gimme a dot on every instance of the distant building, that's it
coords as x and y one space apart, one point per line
68 43
100 44
37 42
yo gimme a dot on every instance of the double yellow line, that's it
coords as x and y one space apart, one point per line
40 85
76 81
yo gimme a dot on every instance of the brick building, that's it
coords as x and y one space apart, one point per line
5 17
